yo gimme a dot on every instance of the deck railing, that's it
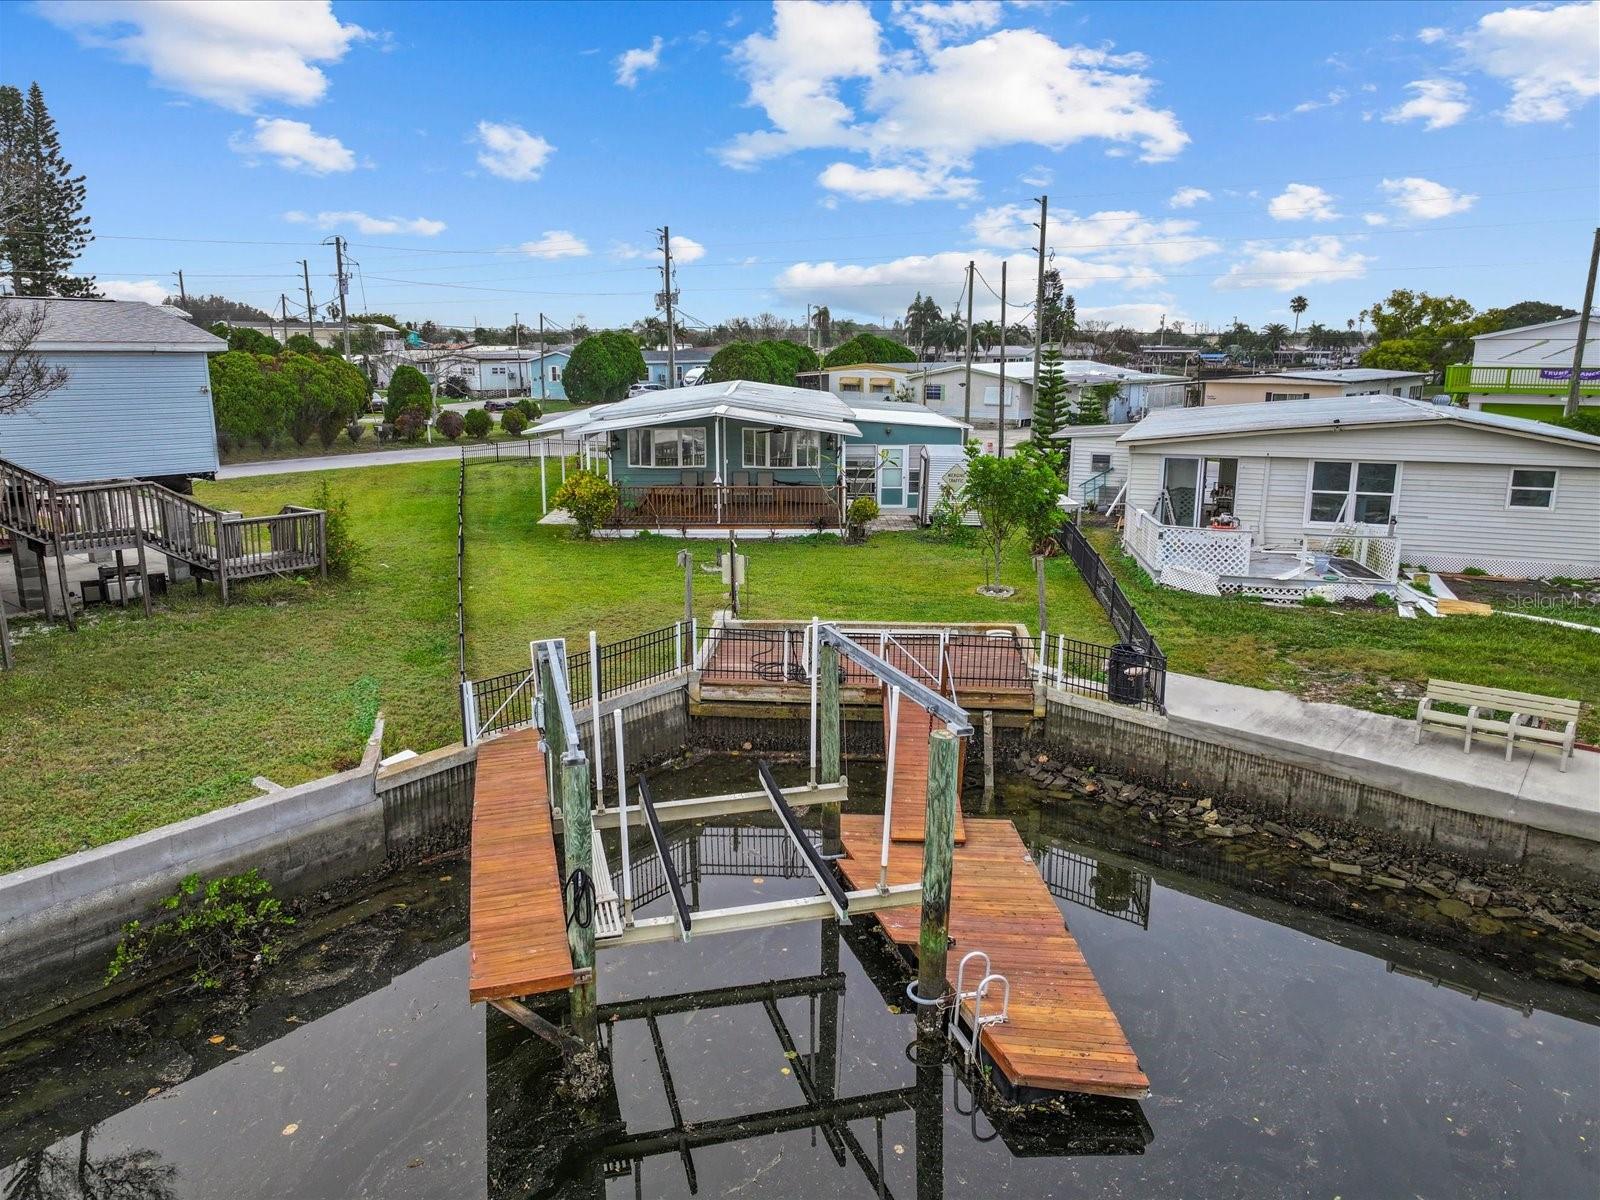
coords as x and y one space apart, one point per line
1129 674
1210 551
1519 381
675 506
1378 553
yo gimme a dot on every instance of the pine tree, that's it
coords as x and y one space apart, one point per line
1050 412
44 228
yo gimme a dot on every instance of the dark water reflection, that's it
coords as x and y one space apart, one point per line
1282 1064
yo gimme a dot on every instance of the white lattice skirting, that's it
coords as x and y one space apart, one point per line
1517 568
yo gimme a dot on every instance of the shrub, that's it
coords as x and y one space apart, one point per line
528 409
455 387
410 425
451 424
229 924
386 432
513 422
408 391
862 509
868 347
354 430
603 366
588 498
477 423
340 545
1474 571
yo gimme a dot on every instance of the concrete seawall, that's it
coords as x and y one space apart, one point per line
60 921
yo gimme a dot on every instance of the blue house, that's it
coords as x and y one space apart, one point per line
687 359
761 457
500 371
136 403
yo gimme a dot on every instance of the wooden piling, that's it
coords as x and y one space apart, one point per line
830 727
938 856
577 830
988 759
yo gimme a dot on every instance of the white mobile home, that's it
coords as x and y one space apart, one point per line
1313 385
1250 491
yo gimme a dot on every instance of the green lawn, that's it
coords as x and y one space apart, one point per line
130 723
1368 658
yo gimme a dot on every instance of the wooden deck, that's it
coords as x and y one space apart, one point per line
908 821
518 928
1061 1034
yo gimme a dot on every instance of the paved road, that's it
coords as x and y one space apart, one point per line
338 462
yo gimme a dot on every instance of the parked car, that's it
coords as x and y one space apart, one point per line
376 403
499 405
644 389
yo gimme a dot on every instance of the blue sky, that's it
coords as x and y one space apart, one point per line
1203 161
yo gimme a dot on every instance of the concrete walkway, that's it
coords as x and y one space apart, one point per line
1531 788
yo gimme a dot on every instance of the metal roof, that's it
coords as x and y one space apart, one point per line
82 325
1341 375
1333 412
1074 371
905 414
740 400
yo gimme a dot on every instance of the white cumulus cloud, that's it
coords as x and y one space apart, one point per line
930 107
556 243
364 223
1302 202
510 151
1548 56
1437 103
1188 197
1284 266
1424 199
901 184
150 291
294 146
234 55
633 63
686 250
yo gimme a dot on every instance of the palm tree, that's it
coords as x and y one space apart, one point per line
1297 306
986 334
1275 335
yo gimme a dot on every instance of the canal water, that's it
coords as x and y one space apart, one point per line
1289 1053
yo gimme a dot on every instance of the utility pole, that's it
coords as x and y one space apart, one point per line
183 296
1001 451
966 408
305 273
1038 300
283 315
543 370
344 308
667 297
1575 388
808 327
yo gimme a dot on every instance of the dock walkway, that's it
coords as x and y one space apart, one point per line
1061 1034
518 922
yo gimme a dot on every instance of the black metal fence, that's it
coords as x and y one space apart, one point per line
506 701
1118 608
1124 673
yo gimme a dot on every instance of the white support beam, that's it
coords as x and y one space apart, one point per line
731 804
766 916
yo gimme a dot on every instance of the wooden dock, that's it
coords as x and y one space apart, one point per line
1061 1034
518 923
910 814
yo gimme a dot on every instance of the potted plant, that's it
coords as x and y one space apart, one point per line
862 511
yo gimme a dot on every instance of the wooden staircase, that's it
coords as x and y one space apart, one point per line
57 519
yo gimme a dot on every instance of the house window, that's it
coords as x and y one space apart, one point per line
1271 396
555 374
881 387
849 385
782 448
1362 492
671 447
933 391
1532 488
1099 462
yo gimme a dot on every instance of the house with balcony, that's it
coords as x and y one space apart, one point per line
759 459
1333 496
1312 385
1527 371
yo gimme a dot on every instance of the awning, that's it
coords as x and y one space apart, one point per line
732 412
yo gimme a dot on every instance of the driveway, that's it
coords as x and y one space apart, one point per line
338 462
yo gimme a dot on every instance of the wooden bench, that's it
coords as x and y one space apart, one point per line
1482 702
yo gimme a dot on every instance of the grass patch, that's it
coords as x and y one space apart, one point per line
1367 658
132 723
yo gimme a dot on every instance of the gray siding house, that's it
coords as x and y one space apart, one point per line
137 401
1237 497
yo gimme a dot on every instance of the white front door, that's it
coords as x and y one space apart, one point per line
891 477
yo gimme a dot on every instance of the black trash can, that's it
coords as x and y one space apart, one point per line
1127 668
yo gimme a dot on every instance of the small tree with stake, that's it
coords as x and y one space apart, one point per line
1012 496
